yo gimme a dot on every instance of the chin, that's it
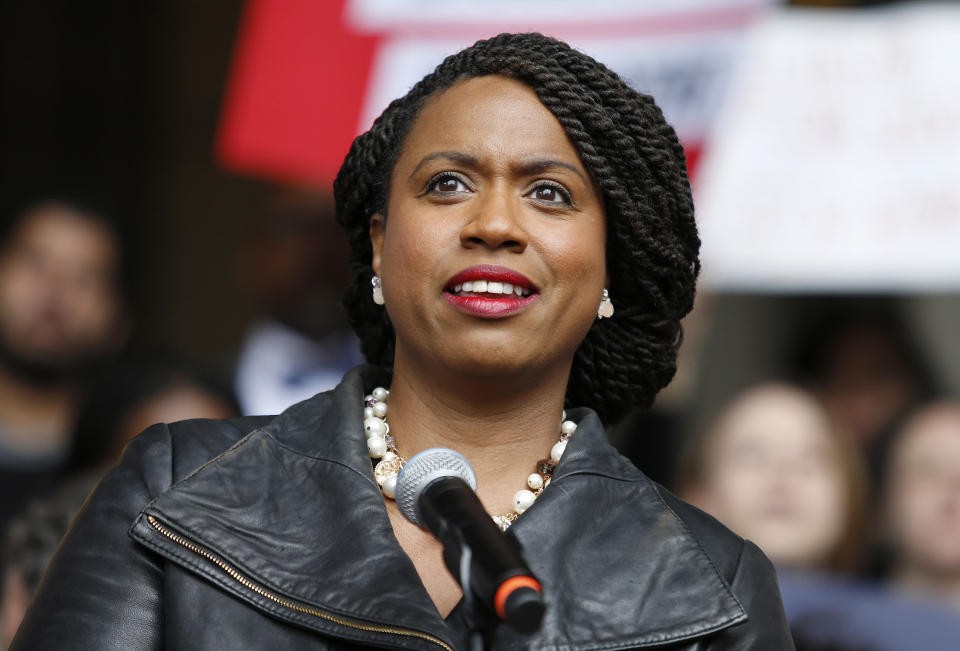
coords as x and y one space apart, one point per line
500 366
945 557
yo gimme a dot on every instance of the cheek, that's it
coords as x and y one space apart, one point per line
578 256
94 311
21 295
825 505
404 256
584 266
19 284
916 504
411 258
735 492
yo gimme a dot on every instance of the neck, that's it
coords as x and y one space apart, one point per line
36 419
940 584
502 425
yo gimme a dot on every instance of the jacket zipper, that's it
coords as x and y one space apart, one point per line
286 603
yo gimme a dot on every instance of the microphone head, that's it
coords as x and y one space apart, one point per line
423 469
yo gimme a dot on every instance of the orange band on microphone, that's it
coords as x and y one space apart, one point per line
506 589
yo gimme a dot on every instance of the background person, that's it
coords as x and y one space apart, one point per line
772 468
134 393
29 543
863 362
127 398
295 263
921 504
61 312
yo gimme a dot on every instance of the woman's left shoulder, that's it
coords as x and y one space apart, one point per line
723 546
749 573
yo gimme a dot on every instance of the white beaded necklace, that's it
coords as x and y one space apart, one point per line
382 446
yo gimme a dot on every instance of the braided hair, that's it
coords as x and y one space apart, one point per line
637 161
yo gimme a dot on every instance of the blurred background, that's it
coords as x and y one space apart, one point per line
168 250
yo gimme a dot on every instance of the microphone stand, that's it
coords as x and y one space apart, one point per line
475 634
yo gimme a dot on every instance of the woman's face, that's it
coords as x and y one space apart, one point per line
773 475
923 494
492 253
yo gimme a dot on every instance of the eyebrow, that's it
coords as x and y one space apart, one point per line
538 165
453 156
534 166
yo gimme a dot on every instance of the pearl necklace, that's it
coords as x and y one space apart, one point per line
383 447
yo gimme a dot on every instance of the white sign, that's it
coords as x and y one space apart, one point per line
679 51
836 162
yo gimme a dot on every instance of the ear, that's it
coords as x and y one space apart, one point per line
378 226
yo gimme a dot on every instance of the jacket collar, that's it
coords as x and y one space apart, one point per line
619 568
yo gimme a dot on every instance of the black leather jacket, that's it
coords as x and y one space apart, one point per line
271 533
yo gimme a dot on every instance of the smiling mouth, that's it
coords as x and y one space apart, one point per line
490 281
489 289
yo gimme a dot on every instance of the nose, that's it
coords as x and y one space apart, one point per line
495 223
784 473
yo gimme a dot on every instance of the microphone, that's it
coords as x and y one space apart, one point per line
435 491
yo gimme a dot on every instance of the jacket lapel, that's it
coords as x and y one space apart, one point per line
313 529
620 569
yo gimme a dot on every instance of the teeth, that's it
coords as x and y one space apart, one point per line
491 287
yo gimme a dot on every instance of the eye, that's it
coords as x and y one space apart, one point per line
446 183
550 193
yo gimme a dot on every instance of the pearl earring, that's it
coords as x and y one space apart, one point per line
378 291
605 311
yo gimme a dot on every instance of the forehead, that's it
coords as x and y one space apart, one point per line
778 418
65 233
935 435
490 115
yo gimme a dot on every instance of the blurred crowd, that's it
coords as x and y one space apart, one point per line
845 469
73 393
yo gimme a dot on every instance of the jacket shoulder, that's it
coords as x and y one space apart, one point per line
722 546
101 589
749 573
195 442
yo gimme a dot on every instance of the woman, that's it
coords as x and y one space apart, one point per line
495 212
773 469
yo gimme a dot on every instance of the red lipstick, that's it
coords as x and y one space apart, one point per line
486 304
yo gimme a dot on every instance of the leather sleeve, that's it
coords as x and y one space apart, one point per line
102 590
755 584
